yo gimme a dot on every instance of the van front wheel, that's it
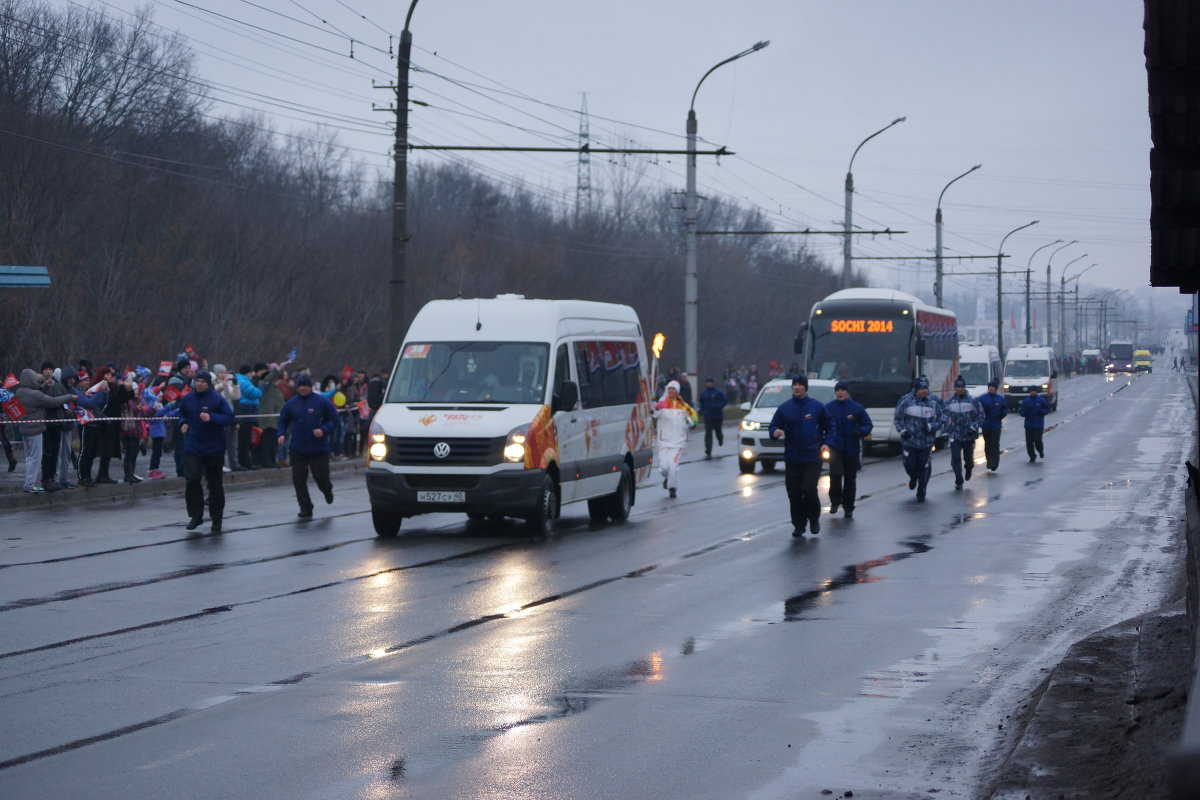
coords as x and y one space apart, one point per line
387 522
541 521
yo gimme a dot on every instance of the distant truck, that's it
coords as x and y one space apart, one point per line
1142 361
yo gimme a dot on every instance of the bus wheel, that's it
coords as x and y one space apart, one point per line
386 521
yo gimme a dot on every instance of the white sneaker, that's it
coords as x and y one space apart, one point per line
226 469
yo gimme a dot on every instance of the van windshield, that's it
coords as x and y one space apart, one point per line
471 372
975 373
1027 369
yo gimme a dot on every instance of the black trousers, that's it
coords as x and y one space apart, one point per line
51 442
712 426
843 479
1033 441
269 447
301 465
801 482
208 469
129 454
90 436
991 448
245 455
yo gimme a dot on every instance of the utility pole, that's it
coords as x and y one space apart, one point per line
397 316
583 183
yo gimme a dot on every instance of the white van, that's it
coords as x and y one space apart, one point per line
978 364
512 407
1027 365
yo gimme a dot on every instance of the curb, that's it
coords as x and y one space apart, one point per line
20 500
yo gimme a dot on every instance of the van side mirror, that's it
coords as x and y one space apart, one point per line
566 397
920 350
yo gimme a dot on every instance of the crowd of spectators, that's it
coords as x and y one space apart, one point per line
73 420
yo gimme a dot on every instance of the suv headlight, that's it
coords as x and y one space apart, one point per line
751 425
1006 387
514 448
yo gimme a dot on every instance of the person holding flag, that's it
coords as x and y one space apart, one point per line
674 418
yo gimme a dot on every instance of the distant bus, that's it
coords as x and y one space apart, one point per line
1120 356
879 341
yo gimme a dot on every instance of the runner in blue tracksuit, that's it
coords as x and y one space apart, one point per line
995 409
803 424
964 415
850 424
204 414
1034 409
918 417
311 418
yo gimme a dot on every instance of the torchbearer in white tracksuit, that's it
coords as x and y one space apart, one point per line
674 418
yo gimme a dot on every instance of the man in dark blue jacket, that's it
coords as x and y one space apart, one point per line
1034 409
203 414
850 424
995 409
804 425
712 408
311 418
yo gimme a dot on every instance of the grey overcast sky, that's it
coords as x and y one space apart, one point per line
1048 95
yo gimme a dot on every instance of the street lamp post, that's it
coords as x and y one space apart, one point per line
1062 333
847 222
691 289
1028 274
937 220
999 287
1049 292
1062 292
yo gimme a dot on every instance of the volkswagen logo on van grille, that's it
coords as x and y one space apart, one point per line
441 449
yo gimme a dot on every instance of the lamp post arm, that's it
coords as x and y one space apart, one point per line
752 49
960 177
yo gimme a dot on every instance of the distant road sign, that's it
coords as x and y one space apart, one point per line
24 277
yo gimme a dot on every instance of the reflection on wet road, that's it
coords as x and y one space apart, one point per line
458 659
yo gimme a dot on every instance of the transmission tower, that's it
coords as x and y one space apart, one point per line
583 183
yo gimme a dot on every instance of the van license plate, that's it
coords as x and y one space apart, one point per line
441 497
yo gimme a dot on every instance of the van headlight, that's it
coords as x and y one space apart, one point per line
1045 386
514 447
1006 387
751 425
378 449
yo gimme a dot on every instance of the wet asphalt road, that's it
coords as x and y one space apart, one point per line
698 651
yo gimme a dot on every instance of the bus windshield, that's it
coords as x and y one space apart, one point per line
471 372
861 347
1120 351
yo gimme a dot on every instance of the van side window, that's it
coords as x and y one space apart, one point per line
562 367
587 392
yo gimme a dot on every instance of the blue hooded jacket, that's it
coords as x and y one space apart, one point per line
303 415
995 408
850 423
806 425
712 404
204 438
1034 409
